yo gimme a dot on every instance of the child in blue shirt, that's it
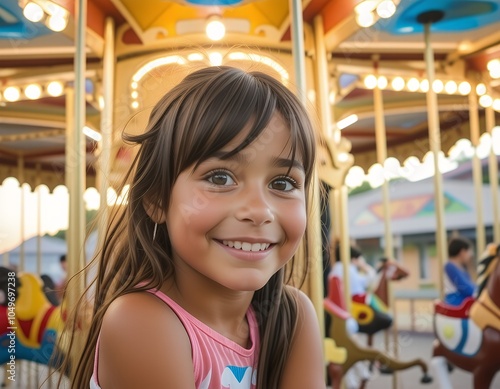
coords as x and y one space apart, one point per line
457 281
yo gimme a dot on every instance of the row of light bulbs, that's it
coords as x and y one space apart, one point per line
215 58
33 91
53 15
413 169
368 11
438 86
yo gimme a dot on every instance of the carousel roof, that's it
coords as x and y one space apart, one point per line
465 38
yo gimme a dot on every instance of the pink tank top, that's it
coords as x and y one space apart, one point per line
218 362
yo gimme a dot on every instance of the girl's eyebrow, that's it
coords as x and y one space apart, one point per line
286 162
277 161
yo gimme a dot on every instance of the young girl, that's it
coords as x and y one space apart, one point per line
191 290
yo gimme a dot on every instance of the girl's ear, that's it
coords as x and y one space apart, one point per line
154 211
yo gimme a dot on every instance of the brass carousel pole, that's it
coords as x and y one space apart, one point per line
20 174
427 18
321 63
76 164
381 145
106 126
315 279
22 252
493 174
477 173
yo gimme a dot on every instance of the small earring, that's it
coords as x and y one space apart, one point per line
154 231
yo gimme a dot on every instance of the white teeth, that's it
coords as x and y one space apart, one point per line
228 243
256 247
245 246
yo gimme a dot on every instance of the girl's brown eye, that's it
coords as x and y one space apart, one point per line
283 184
220 178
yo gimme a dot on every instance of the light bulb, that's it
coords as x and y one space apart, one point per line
437 86
215 29
493 65
480 89
424 85
12 93
57 22
386 9
464 88
365 6
370 81
485 101
398 83
496 105
382 82
33 91
55 88
365 19
33 12
413 84
450 87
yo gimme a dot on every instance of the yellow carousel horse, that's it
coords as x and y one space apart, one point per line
30 331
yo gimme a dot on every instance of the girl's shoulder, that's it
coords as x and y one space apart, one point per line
137 337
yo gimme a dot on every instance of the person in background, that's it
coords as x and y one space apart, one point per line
361 274
458 284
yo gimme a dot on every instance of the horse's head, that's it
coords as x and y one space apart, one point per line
487 264
30 298
392 270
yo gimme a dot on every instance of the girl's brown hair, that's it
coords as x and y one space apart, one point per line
192 122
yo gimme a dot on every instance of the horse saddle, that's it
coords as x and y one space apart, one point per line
461 311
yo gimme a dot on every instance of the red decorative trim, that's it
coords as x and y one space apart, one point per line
462 311
43 323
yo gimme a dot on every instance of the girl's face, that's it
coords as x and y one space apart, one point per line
237 221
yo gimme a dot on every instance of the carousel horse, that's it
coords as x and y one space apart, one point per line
34 327
468 336
388 270
334 305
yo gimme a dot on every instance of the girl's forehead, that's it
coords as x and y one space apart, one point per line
274 139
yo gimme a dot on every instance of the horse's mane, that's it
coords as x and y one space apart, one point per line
486 265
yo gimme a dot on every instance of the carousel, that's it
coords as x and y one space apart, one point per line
399 90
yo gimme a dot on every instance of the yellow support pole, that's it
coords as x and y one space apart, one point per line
314 224
477 173
20 174
493 174
435 146
105 145
381 145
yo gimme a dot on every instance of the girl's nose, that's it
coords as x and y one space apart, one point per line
254 207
